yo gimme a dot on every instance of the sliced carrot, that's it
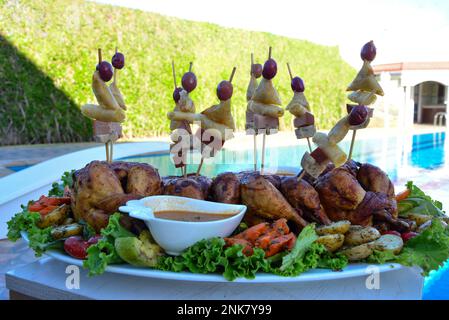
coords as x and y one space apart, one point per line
47 210
278 244
36 207
56 201
247 247
251 234
403 195
281 226
264 241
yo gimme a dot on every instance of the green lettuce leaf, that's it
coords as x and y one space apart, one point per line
57 189
211 256
103 253
419 202
305 239
40 240
428 250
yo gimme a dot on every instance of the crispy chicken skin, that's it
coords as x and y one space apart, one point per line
373 179
190 187
264 200
226 188
304 198
100 188
339 189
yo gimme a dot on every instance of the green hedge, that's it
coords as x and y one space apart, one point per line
48 53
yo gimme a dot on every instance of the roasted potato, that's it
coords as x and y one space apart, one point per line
388 242
358 236
54 218
339 227
66 231
332 242
357 252
418 218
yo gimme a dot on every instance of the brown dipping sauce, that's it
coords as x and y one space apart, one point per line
190 216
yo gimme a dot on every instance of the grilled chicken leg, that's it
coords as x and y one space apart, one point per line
263 199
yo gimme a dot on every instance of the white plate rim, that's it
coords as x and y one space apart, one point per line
351 271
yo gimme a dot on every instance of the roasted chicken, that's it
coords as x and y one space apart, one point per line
100 188
264 200
304 198
195 187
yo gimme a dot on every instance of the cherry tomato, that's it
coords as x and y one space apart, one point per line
406 236
94 239
393 232
76 247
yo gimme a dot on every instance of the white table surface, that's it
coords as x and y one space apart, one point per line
46 279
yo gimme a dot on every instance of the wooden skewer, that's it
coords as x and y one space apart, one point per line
232 74
111 148
301 174
254 135
310 145
99 55
289 71
255 150
199 167
262 165
202 159
351 148
174 73
291 78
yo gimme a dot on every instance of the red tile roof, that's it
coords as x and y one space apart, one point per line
391 67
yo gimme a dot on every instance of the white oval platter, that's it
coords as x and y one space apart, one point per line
351 271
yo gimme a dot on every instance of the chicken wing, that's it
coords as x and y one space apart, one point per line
304 198
264 200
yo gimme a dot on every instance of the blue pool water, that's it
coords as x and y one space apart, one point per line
400 156
391 153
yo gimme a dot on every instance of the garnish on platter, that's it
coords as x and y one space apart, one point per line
110 111
264 105
304 121
335 212
365 88
181 134
255 73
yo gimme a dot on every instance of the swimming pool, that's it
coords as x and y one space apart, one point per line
420 158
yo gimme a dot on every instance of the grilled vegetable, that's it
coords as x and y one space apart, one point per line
358 252
388 242
332 242
418 218
355 236
54 218
339 227
66 231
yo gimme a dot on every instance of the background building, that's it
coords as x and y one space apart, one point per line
415 92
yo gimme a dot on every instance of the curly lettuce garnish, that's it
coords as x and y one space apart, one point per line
428 250
103 253
419 202
211 256
40 240
57 189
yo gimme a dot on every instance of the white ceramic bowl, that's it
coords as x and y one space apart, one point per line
176 236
